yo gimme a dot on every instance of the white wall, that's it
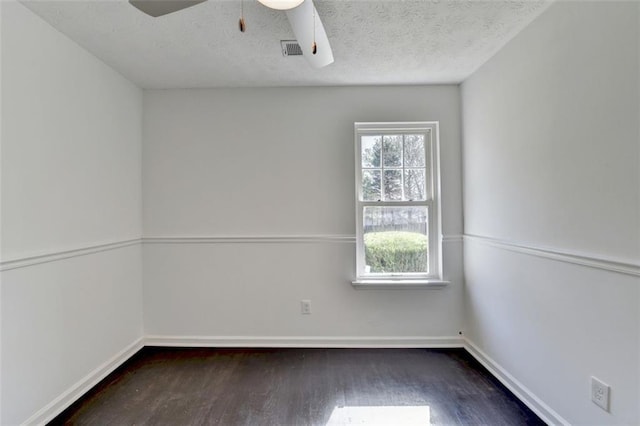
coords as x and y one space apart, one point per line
71 179
1 20
278 163
551 162
551 144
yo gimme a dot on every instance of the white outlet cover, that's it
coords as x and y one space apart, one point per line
600 393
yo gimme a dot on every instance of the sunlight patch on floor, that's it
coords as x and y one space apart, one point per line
382 416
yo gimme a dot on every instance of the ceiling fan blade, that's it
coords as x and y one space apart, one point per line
301 19
157 8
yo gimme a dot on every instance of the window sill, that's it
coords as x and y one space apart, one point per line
398 284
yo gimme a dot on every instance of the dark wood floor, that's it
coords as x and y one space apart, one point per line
161 386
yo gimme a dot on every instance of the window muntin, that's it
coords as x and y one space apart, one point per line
397 189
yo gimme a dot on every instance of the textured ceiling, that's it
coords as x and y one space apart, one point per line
374 42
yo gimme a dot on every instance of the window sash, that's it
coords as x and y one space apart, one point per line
428 143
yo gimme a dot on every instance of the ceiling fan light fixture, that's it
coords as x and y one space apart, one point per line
281 4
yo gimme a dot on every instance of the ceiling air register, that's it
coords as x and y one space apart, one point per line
311 36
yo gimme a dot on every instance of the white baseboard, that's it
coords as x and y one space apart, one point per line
546 413
76 391
305 342
71 395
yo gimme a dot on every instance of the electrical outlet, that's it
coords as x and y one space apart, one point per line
305 307
600 393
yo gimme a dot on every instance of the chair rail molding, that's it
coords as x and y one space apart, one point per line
621 266
23 262
250 239
269 239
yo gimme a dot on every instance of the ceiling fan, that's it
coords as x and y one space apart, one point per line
302 15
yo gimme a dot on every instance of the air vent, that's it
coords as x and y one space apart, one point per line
290 48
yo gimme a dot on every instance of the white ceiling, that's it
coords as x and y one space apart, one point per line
374 42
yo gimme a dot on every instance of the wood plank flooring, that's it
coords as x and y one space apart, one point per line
163 386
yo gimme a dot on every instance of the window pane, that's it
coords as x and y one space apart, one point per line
370 146
392 151
393 185
396 239
371 185
414 151
414 185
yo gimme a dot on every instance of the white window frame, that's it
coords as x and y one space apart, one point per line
432 162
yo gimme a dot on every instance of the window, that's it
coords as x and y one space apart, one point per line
397 203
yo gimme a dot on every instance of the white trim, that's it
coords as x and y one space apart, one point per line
402 284
454 238
76 391
305 342
546 413
610 264
257 239
271 239
6 265
23 262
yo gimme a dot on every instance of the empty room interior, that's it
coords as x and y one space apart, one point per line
298 212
